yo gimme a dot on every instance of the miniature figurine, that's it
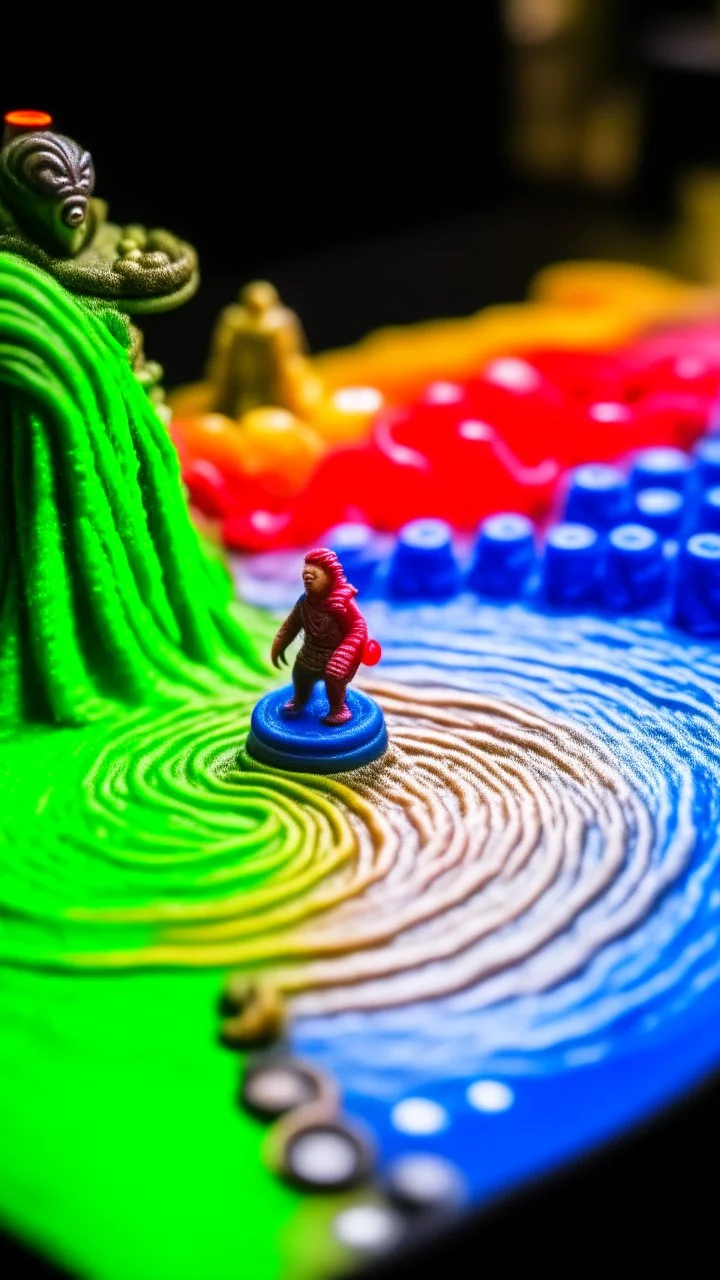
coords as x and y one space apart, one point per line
335 635
300 732
257 355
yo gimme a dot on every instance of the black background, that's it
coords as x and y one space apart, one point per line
280 145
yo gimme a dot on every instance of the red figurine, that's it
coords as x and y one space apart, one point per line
335 637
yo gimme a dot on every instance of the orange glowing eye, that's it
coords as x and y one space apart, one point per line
28 119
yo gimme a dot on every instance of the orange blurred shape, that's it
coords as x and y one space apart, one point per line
344 416
274 440
18 122
28 119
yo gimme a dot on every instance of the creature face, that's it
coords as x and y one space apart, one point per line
315 579
46 181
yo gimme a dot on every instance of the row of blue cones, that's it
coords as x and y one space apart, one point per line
646 540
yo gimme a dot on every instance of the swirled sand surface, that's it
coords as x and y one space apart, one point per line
539 843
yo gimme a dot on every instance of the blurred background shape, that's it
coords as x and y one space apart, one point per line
399 171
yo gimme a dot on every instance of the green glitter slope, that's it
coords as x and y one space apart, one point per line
106 595
124 1154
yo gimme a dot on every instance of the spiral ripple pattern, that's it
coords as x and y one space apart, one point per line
536 855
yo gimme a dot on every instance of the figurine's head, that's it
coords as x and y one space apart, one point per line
316 579
324 578
258 296
46 181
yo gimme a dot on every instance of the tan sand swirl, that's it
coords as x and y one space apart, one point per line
491 839
501 827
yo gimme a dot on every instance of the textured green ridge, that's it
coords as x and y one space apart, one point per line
156 842
107 596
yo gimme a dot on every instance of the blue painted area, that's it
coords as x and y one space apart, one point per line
306 745
639 1022
552 1118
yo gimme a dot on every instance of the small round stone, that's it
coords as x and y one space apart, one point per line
323 1158
368 1228
256 1014
323 1154
271 1090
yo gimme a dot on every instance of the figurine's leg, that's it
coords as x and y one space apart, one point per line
339 712
303 685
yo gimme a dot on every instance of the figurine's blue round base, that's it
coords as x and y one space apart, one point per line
306 745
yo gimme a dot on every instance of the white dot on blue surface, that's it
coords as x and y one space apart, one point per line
419 1115
490 1095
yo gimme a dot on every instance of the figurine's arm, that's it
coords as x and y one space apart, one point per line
287 633
346 658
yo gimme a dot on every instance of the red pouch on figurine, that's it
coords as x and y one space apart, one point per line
372 653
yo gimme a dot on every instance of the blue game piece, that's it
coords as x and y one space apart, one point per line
708 515
306 745
571 564
661 468
356 545
636 570
659 509
697 602
707 457
599 496
504 556
423 565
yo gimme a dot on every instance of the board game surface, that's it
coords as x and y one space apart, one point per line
470 959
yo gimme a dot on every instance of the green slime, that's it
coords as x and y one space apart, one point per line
124 1153
106 594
